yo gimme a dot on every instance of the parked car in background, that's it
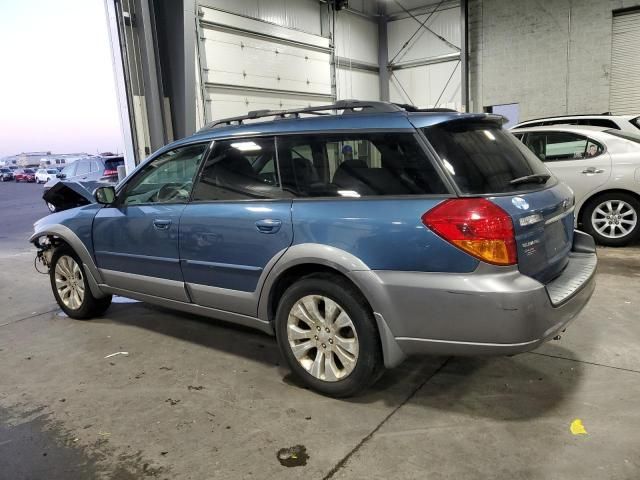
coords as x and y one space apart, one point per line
43 175
90 169
357 239
628 123
602 166
25 175
6 174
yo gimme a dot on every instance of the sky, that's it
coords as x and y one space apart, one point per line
57 87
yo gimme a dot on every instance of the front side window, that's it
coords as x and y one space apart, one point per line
167 178
559 146
356 165
240 169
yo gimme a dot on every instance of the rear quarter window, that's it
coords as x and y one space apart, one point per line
482 158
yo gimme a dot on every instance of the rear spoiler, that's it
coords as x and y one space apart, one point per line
460 118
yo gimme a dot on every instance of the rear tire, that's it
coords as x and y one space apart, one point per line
71 288
327 322
613 219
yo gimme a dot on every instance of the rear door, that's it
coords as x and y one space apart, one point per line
581 162
484 160
236 226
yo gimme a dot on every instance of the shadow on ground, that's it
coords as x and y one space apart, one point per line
523 391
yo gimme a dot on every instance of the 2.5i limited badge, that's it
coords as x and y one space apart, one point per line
520 203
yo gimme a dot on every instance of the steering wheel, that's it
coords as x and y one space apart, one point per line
170 192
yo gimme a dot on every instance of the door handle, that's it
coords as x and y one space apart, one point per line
159 224
268 225
592 170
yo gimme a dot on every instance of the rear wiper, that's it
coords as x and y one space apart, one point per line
534 178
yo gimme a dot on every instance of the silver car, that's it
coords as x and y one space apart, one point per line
602 166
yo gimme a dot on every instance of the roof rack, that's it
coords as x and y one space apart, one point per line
604 114
348 107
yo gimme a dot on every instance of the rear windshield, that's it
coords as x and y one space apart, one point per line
113 163
482 158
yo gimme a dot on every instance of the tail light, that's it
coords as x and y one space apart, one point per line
477 226
108 172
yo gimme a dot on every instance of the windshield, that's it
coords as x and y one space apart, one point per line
482 158
632 137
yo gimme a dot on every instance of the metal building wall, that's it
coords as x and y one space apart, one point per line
356 50
427 71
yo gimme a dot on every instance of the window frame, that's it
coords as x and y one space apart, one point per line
423 144
123 189
525 138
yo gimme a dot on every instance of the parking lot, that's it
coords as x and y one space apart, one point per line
197 398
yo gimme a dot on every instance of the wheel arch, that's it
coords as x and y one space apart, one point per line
303 260
64 234
585 202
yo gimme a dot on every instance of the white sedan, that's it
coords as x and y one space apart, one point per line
43 175
602 166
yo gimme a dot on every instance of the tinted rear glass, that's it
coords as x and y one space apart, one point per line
482 158
113 163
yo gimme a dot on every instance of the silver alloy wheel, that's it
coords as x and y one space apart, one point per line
69 282
614 219
323 338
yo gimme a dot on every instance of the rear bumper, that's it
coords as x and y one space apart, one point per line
491 311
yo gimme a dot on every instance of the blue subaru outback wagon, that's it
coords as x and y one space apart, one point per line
358 233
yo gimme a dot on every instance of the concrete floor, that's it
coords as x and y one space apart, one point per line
196 398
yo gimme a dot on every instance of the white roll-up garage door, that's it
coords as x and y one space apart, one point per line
252 65
625 64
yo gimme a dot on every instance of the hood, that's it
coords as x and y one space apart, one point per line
65 195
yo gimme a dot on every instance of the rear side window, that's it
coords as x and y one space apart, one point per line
84 167
356 165
559 146
599 122
483 158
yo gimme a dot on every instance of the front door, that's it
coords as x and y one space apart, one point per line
136 240
238 224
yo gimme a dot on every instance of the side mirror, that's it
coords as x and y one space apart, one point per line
105 195
61 175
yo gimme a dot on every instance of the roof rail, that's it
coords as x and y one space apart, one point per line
349 106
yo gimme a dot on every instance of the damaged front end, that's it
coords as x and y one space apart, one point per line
66 195
46 246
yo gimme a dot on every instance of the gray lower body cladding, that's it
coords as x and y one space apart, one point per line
492 311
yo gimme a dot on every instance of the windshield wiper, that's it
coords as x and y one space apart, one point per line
534 178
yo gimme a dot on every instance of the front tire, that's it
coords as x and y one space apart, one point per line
613 219
70 287
328 336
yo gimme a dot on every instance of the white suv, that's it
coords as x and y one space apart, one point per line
43 175
628 123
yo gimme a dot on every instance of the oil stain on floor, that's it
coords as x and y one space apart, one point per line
295 456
